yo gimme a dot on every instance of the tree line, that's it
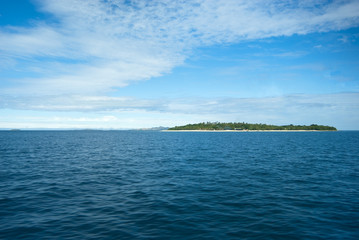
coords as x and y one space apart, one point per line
250 126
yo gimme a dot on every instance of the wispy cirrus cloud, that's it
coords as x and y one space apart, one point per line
94 46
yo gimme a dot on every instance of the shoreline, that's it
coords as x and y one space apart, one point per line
248 131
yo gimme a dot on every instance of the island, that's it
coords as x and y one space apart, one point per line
237 126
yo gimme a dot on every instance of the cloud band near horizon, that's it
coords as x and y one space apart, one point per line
327 109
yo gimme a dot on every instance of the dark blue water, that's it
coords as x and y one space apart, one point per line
160 185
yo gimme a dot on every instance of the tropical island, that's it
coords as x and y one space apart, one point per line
233 126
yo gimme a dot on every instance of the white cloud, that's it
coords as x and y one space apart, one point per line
97 45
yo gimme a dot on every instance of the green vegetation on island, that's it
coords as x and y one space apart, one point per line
212 126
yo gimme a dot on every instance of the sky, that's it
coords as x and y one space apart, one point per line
120 64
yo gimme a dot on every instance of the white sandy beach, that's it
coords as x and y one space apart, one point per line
244 130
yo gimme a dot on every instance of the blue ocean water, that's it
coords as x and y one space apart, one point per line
179 185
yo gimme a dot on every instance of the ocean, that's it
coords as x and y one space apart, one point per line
179 185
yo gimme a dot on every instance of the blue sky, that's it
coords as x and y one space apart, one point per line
132 64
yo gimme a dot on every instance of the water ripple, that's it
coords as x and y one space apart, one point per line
154 185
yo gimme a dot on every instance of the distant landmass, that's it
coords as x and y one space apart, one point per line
212 126
154 129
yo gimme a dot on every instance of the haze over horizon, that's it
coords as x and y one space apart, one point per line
140 64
